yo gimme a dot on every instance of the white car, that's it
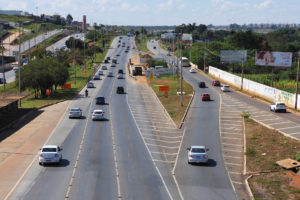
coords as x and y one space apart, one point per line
50 154
98 115
192 70
100 72
277 106
90 85
15 68
225 88
120 76
197 154
75 113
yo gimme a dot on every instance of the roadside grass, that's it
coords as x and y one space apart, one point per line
60 94
14 18
172 103
264 148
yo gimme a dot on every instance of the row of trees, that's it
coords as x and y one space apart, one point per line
43 74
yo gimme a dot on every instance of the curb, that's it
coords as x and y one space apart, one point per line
187 109
248 187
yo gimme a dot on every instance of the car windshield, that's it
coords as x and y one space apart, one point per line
98 113
74 109
100 98
49 150
198 150
281 104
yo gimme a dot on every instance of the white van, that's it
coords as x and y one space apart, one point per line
185 62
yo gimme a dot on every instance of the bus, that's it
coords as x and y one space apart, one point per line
185 62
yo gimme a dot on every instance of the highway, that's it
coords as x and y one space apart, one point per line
201 128
101 159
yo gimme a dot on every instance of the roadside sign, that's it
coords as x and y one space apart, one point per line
65 86
164 88
47 92
151 77
166 95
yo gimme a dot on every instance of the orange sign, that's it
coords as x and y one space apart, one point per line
47 92
151 77
166 95
164 88
65 86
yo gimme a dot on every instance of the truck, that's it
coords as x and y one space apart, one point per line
185 62
137 71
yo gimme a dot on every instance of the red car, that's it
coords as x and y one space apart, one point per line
205 97
216 83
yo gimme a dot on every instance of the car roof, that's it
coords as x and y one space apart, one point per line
100 97
98 110
74 108
205 94
50 146
200 147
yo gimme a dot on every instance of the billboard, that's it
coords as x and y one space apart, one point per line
186 36
168 36
274 59
232 56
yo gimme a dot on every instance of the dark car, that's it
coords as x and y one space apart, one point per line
106 61
202 85
120 90
205 97
108 58
2 80
113 65
216 83
120 71
100 100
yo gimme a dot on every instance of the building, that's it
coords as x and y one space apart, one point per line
83 25
15 12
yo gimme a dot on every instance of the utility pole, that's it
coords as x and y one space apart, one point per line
74 61
177 60
204 56
19 63
94 43
297 80
3 64
181 82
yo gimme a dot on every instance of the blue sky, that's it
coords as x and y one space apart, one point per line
166 12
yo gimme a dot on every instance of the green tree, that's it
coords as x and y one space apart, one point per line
69 19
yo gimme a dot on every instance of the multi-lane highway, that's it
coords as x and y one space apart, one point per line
201 128
101 159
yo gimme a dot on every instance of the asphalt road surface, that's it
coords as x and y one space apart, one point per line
101 159
201 128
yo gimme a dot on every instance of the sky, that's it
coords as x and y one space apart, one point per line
165 12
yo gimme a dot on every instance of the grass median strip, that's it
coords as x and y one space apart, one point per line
172 102
264 148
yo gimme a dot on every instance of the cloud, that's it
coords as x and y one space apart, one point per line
263 4
169 4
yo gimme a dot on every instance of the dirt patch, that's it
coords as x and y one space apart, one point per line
265 147
141 79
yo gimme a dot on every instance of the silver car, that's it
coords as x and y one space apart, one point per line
75 113
50 154
197 154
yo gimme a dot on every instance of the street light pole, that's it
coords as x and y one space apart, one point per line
3 64
242 75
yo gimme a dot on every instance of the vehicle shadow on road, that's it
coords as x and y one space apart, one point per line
210 163
63 163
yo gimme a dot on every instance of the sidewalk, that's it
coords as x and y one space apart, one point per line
19 150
